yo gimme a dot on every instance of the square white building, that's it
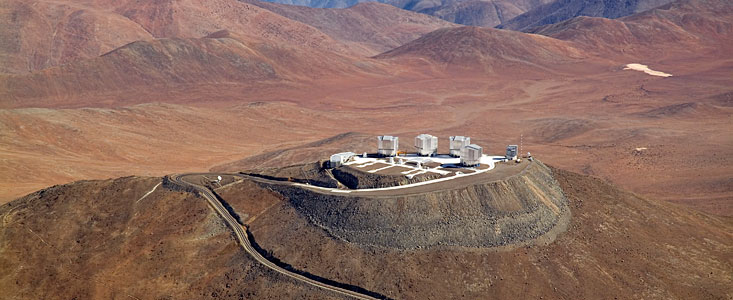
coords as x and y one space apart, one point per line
426 144
471 155
387 145
457 143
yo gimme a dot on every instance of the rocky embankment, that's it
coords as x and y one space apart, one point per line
311 173
356 179
515 210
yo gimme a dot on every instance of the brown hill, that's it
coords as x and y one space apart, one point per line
197 18
617 245
370 28
39 34
489 50
682 27
106 239
221 58
86 29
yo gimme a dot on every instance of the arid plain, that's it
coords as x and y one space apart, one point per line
665 137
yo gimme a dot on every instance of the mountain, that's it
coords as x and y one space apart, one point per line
487 13
36 34
81 30
135 237
679 28
561 10
488 50
176 63
370 28
323 3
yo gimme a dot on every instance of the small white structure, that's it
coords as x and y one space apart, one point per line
457 143
426 144
471 155
339 159
511 152
387 145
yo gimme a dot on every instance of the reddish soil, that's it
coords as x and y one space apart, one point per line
618 245
98 240
185 102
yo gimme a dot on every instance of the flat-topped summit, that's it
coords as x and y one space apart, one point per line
519 208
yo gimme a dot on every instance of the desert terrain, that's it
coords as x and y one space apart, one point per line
189 98
629 107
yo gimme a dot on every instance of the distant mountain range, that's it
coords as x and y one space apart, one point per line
509 14
561 10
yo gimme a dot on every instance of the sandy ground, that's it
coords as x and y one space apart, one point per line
590 124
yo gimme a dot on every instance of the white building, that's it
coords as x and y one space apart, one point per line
511 152
339 159
457 143
426 144
471 155
387 145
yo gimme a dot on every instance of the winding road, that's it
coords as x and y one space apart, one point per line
244 239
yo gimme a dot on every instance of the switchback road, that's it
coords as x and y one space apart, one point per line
243 239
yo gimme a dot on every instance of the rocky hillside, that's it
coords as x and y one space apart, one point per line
682 27
517 209
489 50
368 28
222 57
616 245
562 10
106 239
487 13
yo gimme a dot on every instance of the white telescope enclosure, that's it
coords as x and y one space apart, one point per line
387 145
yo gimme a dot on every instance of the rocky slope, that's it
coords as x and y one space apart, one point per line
517 209
222 57
616 245
357 179
103 239
677 29
489 50
368 28
562 10
88 29
488 13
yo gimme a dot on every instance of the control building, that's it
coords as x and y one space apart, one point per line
457 143
426 144
511 152
339 159
387 145
471 155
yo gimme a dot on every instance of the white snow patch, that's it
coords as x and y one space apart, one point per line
645 69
